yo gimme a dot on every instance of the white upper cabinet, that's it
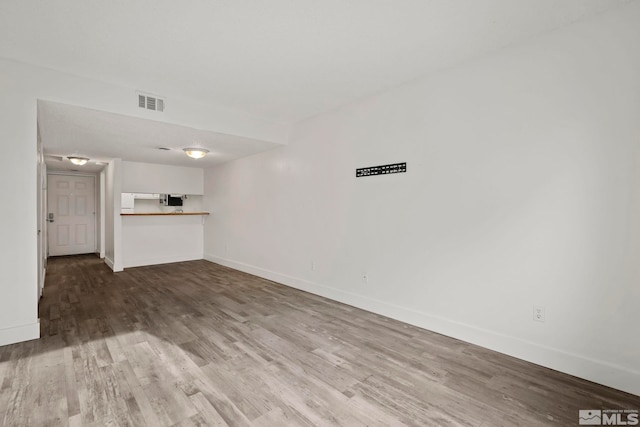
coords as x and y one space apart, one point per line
148 178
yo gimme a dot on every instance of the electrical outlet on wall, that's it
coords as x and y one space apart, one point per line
539 314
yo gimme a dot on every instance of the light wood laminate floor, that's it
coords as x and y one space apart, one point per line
196 343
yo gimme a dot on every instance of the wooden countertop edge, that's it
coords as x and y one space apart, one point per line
165 214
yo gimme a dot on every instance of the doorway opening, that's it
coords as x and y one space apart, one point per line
71 214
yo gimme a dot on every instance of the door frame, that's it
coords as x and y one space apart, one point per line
96 196
42 239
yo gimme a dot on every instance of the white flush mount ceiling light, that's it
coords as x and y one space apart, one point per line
196 153
78 160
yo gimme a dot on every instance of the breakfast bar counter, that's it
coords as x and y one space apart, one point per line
163 213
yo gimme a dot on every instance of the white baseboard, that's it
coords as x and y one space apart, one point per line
573 364
112 265
20 333
140 262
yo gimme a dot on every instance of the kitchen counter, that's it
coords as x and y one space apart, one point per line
163 213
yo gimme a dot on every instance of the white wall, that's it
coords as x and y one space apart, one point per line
112 218
21 86
523 188
18 226
152 178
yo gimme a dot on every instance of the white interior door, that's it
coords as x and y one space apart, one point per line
72 214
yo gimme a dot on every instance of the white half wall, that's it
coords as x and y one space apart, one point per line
149 240
522 189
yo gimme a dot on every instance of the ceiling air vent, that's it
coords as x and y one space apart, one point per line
149 102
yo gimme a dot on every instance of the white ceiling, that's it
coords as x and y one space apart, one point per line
68 130
281 60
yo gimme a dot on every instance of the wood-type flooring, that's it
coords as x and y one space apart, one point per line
195 343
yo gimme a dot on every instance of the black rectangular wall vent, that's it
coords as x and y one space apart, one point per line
382 170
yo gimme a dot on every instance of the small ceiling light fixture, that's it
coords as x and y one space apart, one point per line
78 160
196 153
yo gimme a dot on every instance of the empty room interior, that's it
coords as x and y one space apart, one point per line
330 213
